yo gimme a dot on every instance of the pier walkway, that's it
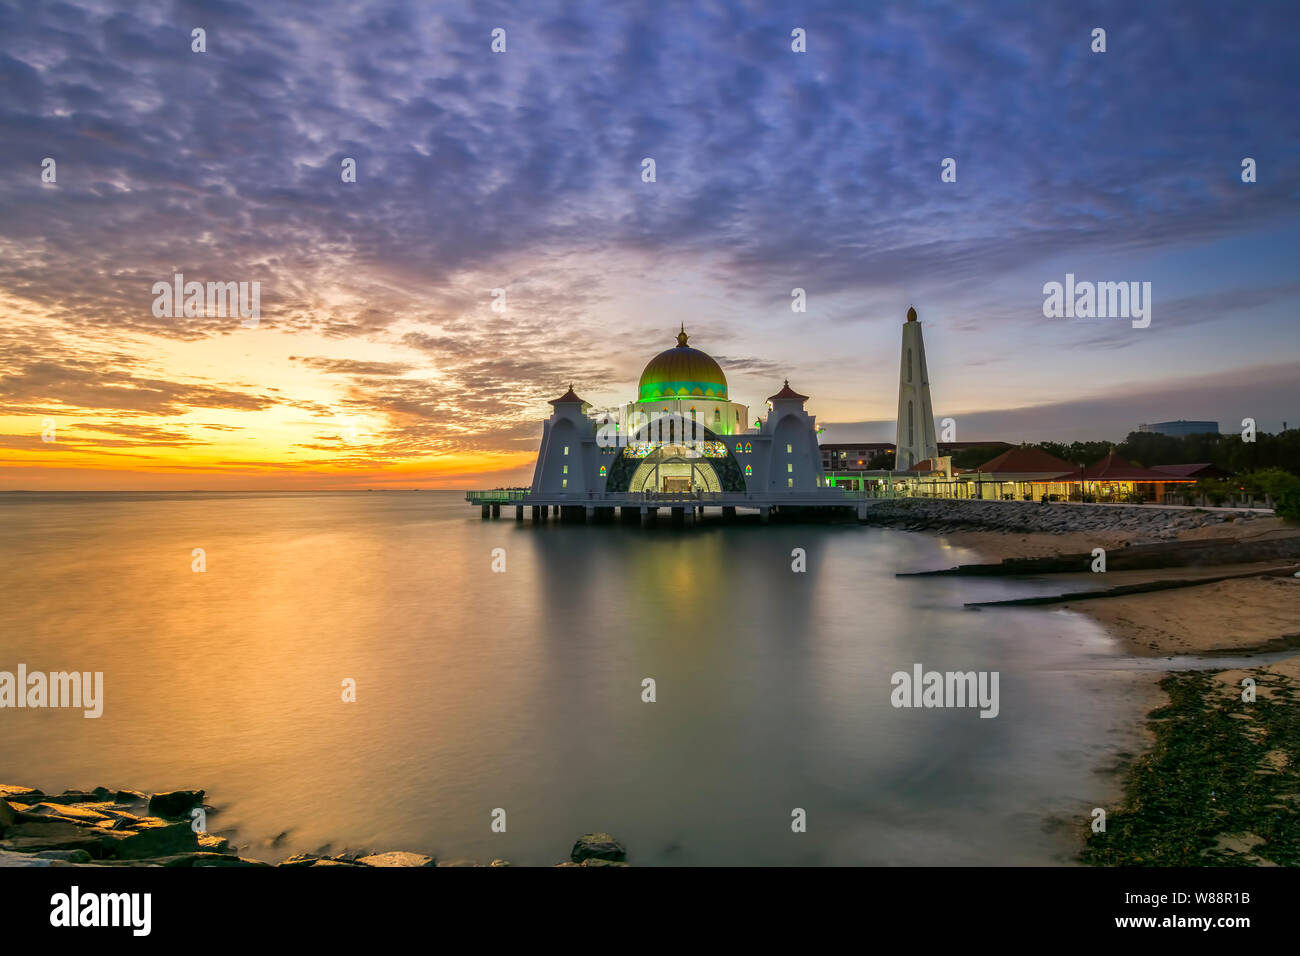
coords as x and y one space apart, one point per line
683 507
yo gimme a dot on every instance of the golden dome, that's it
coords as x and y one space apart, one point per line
682 372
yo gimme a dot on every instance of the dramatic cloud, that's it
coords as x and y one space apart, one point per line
522 172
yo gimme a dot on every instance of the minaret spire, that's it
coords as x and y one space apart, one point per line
914 438
682 337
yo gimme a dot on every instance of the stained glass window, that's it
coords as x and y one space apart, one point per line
749 471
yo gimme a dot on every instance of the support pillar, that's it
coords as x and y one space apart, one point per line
590 514
496 511
728 512
764 515
537 513
519 512
486 511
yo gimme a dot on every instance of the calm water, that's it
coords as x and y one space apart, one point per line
522 690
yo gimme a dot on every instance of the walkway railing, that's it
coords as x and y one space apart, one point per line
497 495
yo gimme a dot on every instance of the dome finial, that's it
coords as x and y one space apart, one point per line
682 337
911 314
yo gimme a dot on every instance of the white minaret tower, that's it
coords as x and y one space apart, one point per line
915 437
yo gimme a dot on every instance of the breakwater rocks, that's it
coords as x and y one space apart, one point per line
103 827
1143 522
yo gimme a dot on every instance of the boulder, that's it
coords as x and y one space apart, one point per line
53 835
68 856
21 794
7 816
8 858
152 837
396 858
70 796
332 863
459 863
71 813
175 803
130 796
227 859
597 846
300 859
500 862
213 844
597 862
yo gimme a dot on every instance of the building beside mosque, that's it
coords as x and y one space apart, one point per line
680 436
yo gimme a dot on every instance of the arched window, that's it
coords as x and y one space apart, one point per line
748 448
738 448
909 365
749 471
910 439
602 471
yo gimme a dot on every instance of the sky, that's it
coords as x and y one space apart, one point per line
378 359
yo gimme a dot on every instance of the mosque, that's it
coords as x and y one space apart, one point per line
682 435
682 443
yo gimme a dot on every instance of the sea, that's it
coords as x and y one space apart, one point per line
386 670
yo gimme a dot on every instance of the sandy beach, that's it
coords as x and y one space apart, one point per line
1250 614
1223 758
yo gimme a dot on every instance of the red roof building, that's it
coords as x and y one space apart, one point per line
1203 470
1025 464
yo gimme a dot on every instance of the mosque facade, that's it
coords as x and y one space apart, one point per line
681 436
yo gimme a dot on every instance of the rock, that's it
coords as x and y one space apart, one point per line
68 856
53 835
152 837
187 859
72 813
130 796
202 860
300 859
122 818
175 803
597 846
499 862
102 795
459 863
8 858
596 862
332 863
567 863
21 794
70 796
213 844
396 858
7 816
229 860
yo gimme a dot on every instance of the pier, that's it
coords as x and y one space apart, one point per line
682 509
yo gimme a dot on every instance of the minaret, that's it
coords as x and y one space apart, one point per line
914 440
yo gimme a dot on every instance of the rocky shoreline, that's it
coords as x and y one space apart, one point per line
942 515
103 827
